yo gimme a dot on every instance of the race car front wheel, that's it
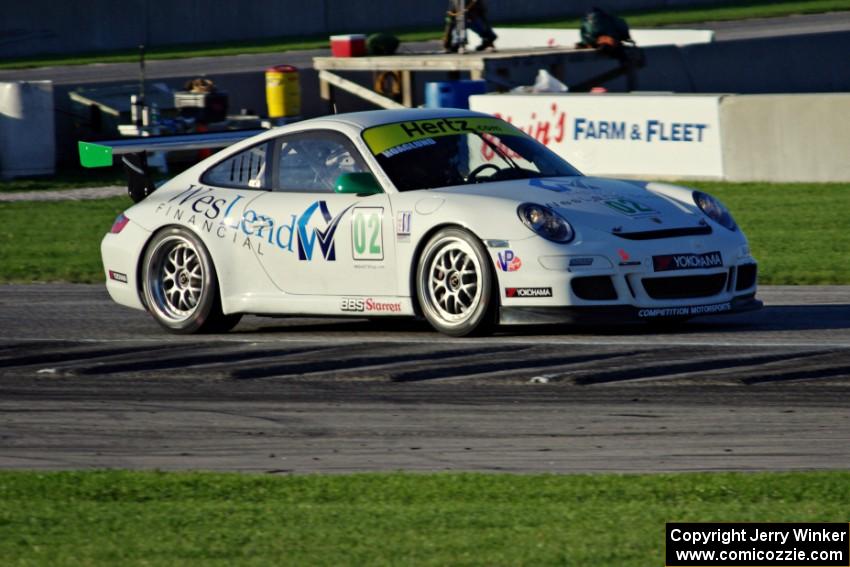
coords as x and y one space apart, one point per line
179 284
454 284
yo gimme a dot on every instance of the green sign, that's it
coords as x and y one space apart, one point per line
94 155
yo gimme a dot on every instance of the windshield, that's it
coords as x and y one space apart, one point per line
428 154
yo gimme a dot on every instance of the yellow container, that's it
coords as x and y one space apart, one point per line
283 91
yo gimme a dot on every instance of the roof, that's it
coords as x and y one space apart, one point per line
369 118
101 153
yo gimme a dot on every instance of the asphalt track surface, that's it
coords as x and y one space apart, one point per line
85 383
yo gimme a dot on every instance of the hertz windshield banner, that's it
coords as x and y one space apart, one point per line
383 138
758 545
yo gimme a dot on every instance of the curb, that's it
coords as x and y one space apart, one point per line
84 194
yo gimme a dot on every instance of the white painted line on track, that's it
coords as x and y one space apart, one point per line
535 341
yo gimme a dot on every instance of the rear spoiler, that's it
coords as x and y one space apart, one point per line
133 152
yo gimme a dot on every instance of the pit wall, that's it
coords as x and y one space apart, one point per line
786 137
523 38
45 26
26 129
773 138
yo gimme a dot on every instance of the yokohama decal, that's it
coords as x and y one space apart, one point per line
687 261
528 292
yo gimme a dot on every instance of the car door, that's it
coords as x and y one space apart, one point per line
314 241
216 206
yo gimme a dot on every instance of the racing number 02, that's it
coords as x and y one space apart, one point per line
629 207
367 234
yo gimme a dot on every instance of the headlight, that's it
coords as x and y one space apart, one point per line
546 222
715 210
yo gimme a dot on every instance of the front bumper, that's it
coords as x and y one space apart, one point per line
615 314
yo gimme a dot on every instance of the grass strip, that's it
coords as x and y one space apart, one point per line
720 13
80 177
681 16
797 232
69 179
56 240
155 518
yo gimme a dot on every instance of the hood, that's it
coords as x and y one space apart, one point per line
608 205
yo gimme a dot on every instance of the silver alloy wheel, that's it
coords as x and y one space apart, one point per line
175 278
451 281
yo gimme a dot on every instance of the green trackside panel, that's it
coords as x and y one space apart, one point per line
94 155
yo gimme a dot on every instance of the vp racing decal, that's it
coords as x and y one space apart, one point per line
508 261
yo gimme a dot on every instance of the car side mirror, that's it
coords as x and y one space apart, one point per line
362 183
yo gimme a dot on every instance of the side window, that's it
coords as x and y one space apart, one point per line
245 170
311 162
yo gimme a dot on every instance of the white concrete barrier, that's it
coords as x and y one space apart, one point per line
27 140
774 138
783 138
519 38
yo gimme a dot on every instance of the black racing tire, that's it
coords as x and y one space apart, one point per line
179 284
455 284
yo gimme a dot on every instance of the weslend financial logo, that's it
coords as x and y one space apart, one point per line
215 214
307 237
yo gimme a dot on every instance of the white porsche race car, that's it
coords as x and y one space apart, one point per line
450 215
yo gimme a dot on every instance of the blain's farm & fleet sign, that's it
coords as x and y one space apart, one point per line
609 134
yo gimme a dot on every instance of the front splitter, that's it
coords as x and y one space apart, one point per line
614 314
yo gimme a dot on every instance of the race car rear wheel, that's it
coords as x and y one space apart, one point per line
179 284
454 284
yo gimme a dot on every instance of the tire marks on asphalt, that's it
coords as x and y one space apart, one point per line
69 352
716 366
420 362
371 358
535 361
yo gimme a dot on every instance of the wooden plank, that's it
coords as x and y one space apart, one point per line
326 91
478 64
446 61
407 88
357 90
395 63
506 68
